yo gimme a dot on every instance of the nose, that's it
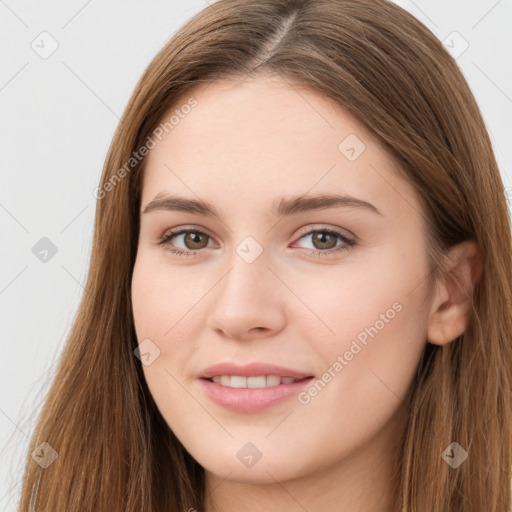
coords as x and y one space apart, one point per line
248 302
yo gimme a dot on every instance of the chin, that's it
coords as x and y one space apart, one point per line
235 464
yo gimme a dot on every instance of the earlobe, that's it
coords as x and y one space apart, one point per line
451 305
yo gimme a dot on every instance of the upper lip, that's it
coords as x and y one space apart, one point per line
251 370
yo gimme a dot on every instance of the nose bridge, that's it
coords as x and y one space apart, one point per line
246 281
245 298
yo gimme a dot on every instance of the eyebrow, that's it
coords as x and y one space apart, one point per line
280 208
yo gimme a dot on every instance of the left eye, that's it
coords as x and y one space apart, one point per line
325 241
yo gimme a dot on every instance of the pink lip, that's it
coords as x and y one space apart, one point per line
251 370
251 399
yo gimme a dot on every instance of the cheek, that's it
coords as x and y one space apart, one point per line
162 306
161 297
379 290
371 325
159 311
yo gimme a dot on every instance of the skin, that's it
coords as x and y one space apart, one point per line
246 144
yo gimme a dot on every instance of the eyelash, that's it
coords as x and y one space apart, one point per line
348 243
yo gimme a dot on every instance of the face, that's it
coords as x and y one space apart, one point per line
332 292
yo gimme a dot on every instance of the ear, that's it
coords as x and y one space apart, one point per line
451 305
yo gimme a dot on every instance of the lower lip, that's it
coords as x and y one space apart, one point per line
251 399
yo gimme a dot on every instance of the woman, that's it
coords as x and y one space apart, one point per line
300 283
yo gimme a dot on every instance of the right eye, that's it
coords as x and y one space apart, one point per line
193 239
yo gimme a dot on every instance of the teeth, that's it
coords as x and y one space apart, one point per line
255 382
225 380
237 381
273 380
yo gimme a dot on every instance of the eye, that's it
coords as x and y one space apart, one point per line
325 241
193 239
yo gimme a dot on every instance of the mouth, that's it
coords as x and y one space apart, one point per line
249 394
251 387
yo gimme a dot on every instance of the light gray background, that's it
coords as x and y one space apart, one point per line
58 117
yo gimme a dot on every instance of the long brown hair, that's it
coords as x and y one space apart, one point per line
115 451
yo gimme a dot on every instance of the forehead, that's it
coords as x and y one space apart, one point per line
249 141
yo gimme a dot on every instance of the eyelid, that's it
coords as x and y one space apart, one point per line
326 227
185 227
302 231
